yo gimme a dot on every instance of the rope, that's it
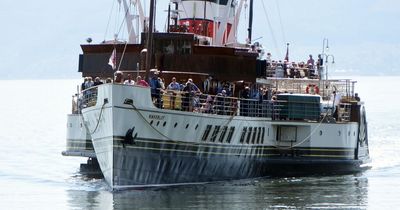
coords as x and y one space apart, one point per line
98 121
109 20
280 20
272 33
305 139
140 114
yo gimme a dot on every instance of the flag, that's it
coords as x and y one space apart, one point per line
287 53
113 59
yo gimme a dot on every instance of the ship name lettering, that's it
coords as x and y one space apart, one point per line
156 117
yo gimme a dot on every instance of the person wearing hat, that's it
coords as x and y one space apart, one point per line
190 91
155 86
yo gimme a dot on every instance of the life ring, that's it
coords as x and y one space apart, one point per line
313 89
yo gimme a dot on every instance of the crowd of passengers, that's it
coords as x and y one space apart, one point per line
286 69
254 101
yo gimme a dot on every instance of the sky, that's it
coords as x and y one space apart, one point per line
41 39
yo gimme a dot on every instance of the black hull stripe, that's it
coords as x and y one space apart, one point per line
120 139
254 150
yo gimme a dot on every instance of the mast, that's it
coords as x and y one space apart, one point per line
169 17
150 40
250 29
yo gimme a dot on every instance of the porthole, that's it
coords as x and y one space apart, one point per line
196 126
187 126
176 124
164 124
349 133
158 123
151 122
320 133
340 133
354 133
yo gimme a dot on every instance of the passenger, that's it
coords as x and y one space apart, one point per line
97 81
207 84
162 83
89 83
118 77
174 85
172 89
208 106
141 82
83 83
244 102
87 94
129 81
357 97
336 97
156 88
269 60
252 49
274 111
220 105
320 64
311 61
189 99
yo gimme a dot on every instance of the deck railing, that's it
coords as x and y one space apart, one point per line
88 98
223 105
231 106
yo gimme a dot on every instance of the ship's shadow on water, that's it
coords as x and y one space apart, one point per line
316 192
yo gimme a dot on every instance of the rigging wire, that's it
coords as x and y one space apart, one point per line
123 21
123 52
109 20
280 21
272 32
116 20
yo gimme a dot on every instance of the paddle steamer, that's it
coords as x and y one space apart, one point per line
248 118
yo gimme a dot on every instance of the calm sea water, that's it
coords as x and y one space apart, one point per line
34 175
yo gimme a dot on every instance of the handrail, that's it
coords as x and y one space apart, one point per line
287 110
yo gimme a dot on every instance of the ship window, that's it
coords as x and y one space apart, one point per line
164 124
223 132
253 140
258 135
215 133
187 125
320 133
354 133
249 135
196 126
158 123
267 132
206 133
230 134
151 122
349 133
176 124
340 133
243 134
262 135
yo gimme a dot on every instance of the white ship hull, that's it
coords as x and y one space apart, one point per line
137 144
79 141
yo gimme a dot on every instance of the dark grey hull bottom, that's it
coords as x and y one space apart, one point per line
143 167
